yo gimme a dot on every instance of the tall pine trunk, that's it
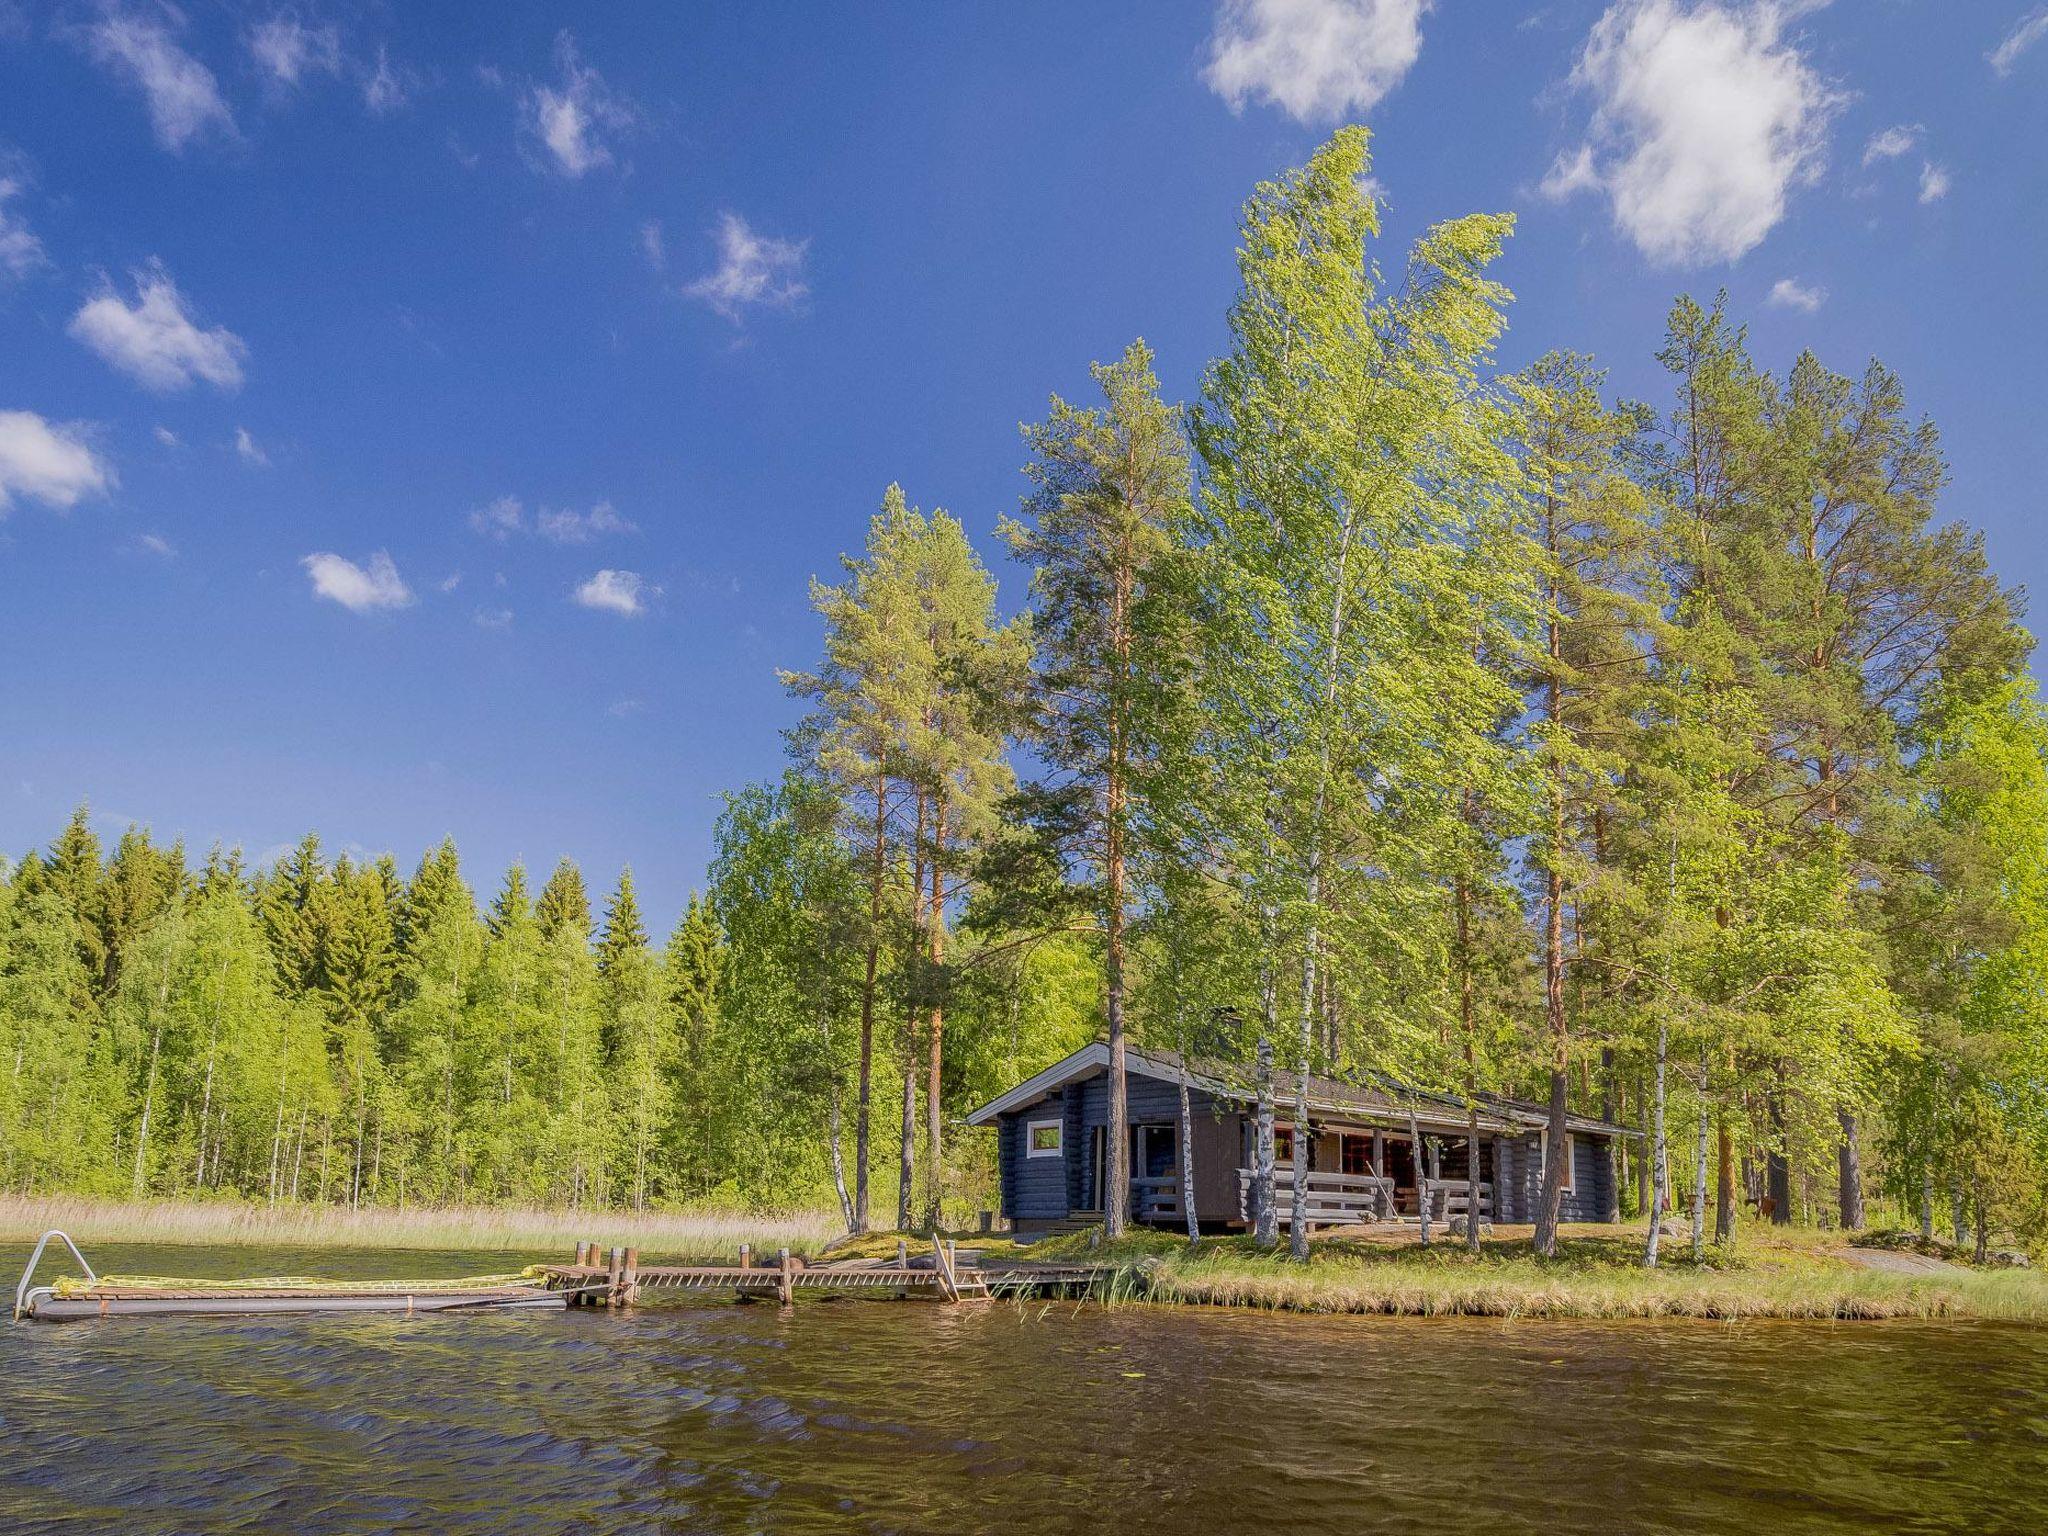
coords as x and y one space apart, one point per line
1116 1205
933 1100
1849 1156
877 879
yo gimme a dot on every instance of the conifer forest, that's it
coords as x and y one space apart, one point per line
1380 711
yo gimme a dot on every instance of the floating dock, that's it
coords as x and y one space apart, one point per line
594 1278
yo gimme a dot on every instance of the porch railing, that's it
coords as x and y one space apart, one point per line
1343 1199
1334 1199
1156 1199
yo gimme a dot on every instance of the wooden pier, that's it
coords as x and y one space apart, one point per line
617 1278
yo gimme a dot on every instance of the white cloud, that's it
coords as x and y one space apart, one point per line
50 461
652 245
1891 143
1790 293
155 339
358 588
156 544
1316 60
249 450
1705 118
184 98
1934 182
622 708
571 120
385 89
167 437
615 592
1571 173
492 618
567 527
753 271
500 520
450 583
20 251
2029 30
288 50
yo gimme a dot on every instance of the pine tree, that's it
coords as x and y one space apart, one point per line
1591 524
1110 489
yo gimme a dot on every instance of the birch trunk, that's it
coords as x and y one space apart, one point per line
1187 1161
1265 1212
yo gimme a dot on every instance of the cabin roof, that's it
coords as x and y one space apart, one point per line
1374 1099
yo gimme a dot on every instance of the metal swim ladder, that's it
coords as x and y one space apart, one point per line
23 1296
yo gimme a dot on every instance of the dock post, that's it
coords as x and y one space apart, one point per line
785 1279
629 1290
615 1277
746 1255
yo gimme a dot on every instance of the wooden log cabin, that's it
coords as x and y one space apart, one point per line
1051 1129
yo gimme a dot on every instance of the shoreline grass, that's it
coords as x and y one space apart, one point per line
540 1233
1598 1275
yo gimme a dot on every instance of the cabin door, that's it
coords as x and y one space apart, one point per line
1098 1140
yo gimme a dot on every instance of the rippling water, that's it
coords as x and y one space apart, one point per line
859 1416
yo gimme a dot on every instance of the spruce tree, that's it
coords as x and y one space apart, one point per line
564 903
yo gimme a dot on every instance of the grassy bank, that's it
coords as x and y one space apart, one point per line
1598 1274
539 1233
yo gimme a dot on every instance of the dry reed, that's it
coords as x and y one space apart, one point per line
705 1234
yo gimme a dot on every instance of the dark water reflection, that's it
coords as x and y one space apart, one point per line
879 1416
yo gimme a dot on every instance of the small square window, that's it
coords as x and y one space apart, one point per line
1042 1138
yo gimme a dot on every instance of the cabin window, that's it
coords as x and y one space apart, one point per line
1283 1144
1358 1154
1042 1138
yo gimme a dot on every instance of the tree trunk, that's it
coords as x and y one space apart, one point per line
933 1099
907 1163
878 874
1116 1202
1646 1162
1617 1168
1926 1204
1555 1151
1659 1152
1423 1193
1187 1162
1777 1164
907 1152
1983 1248
1699 1171
846 1208
1850 1157
148 1101
1265 1212
1724 1185
1297 1231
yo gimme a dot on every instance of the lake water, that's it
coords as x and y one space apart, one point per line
876 1416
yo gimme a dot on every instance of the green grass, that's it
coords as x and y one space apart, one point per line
1780 1273
540 1233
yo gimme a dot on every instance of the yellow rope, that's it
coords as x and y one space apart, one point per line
72 1288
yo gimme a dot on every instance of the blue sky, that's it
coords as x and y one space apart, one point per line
425 419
